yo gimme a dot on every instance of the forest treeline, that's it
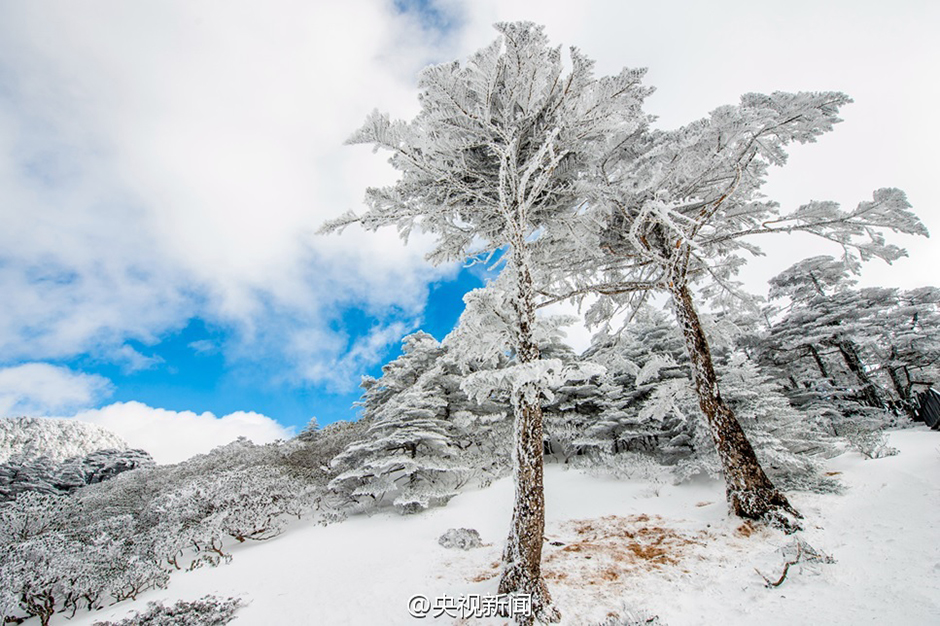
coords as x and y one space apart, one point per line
824 366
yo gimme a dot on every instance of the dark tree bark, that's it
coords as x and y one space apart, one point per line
749 491
522 557
823 370
903 390
853 361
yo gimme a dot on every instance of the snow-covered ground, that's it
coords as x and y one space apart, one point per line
613 546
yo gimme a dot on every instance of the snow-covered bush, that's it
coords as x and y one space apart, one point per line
625 616
35 576
199 515
20 474
112 539
53 438
52 558
253 504
872 444
31 515
797 553
207 611
460 538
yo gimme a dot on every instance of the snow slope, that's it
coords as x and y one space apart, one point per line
55 438
638 544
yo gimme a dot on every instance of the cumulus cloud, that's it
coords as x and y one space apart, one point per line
314 360
174 436
162 162
33 389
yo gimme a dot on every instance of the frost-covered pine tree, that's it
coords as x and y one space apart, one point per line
410 453
852 353
676 208
788 442
491 159
909 344
480 343
648 373
823 339
54 438
410 450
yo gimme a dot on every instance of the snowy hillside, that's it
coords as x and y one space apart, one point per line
613 546
56 439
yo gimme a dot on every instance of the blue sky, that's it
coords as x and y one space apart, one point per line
190 370
164 169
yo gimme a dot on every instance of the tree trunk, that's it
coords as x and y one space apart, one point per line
823 370
522 558
903 391
749 491
854 362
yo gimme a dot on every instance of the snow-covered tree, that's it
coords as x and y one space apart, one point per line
647 374
788 442
491 159
20 474
656 412
674 208
410 450
822 339
909 344
54 438
852 353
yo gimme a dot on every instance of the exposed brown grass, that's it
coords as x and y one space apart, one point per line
591 561
619 544
610 549
746 529
487 575
609 555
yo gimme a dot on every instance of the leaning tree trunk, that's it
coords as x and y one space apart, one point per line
853 361
823 370
749 491
522 558
903 391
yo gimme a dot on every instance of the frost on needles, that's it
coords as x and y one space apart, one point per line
561 174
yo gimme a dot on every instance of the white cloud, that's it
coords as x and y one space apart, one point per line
203 346
314 360
167 161
132 360
161 161
34 389
174 436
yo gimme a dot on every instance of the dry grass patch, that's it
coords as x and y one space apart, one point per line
618 547
614 553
